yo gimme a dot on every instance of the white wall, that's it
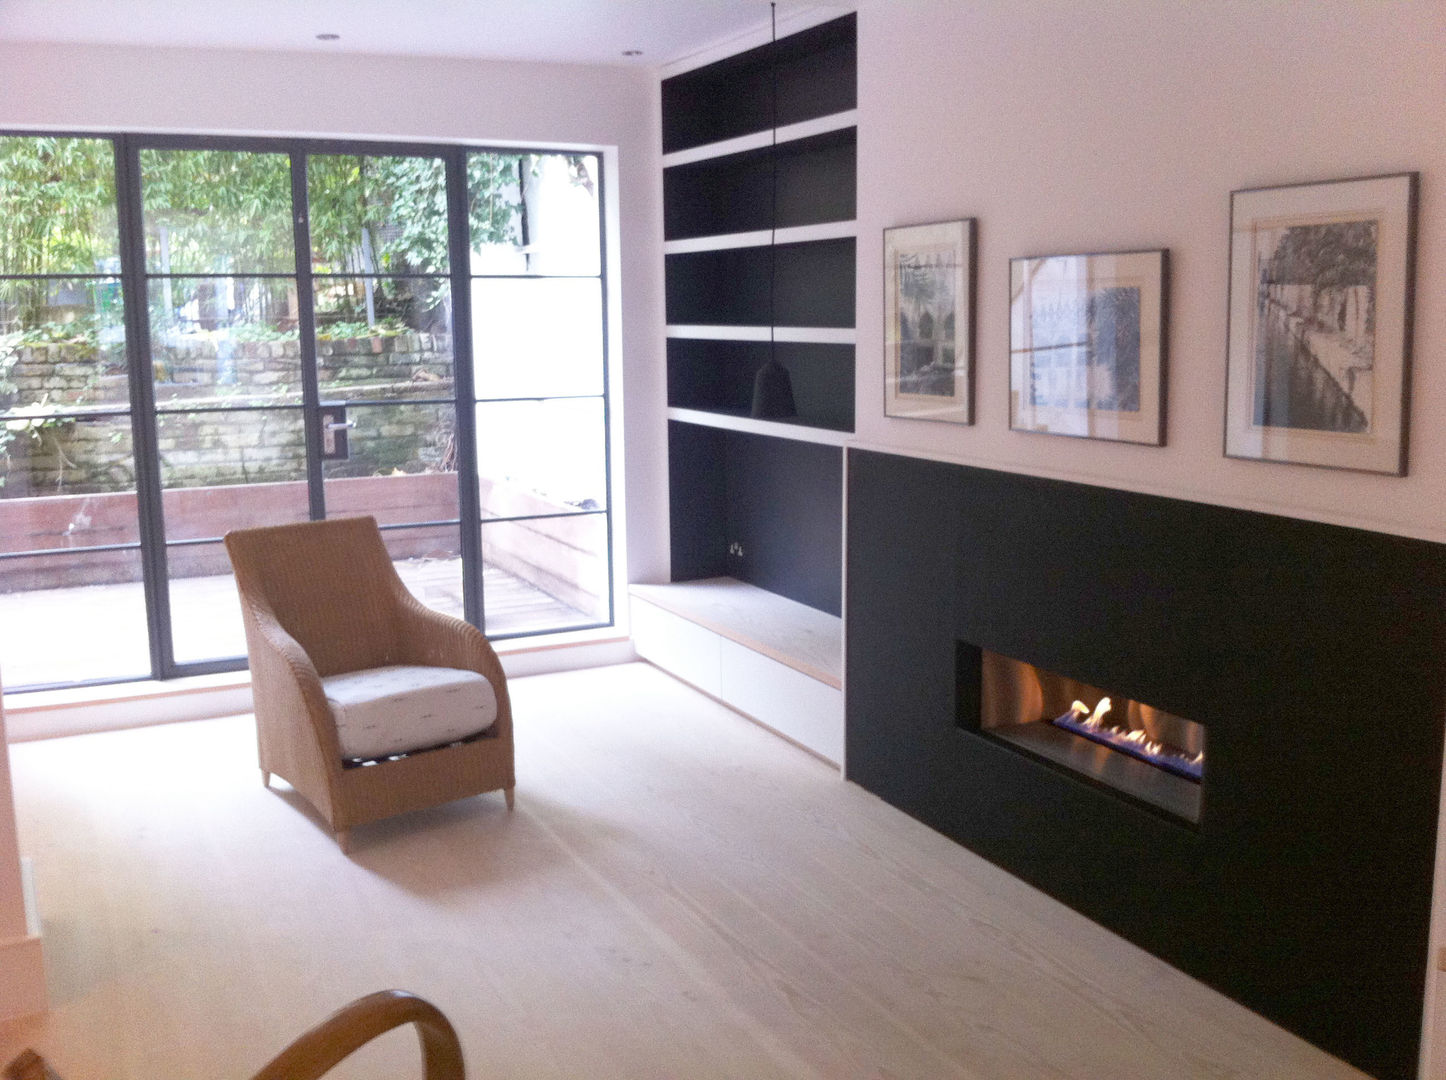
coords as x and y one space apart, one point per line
1116 124
236 92
22 966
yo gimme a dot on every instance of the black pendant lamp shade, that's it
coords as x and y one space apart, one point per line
773 392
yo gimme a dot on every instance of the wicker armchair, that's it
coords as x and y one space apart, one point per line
322 599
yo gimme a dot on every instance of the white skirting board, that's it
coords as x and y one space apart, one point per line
22 963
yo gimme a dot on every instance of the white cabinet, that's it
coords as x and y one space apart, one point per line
770 658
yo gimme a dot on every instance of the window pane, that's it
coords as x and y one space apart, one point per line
62 345
241 446
66 457
401 460
382 339
394 500
534 213
377 215
225 341
57 206
72 617
205 607
545 574
537 337
217 212
429 562
541 457
210 512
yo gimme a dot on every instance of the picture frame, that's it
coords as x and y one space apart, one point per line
1318 364
1088 338
929 321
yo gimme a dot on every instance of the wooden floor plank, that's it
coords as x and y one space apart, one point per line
678 894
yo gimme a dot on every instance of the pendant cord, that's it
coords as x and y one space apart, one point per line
773 185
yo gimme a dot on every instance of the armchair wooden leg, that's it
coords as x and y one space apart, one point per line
343 841
265 778
508 794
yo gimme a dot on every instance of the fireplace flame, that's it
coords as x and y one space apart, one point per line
1137 743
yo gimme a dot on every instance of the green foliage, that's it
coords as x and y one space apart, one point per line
57 205
216 211
345 331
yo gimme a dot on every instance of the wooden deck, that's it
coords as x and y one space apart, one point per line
99 631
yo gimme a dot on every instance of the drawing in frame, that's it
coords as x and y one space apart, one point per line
929 321
1318 367
1087 345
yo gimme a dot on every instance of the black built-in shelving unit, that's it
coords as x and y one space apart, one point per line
759 189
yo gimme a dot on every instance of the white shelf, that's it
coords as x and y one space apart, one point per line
748 425
798 636
759 139
793 234
802 335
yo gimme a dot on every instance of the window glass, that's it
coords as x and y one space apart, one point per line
62 346
217 212
534 213
71 617
57 206
224 341
377 215
541 457
537 337
545 574
383 339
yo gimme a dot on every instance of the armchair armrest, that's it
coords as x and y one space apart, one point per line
428 637
351 1028
284 682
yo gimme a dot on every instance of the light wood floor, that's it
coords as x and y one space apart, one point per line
679 894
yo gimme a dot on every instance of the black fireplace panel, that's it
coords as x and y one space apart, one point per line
1312 654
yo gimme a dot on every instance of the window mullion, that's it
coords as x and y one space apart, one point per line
459 243
144 435
306 334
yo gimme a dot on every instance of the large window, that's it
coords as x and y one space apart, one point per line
202 335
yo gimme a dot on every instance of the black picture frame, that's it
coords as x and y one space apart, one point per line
929 321
1318 361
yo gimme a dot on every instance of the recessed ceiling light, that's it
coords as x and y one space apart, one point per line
328 37
632 52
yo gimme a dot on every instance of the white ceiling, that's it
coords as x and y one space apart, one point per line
568 31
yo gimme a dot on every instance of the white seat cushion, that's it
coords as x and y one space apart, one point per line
393 710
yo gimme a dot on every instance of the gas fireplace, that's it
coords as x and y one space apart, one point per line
1144 752
1295 874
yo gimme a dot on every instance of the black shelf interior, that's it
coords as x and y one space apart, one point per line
813 285
717 376
816 184
764 510
816 72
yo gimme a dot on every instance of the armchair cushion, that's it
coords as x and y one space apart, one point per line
402 708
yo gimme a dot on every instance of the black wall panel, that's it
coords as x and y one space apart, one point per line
785 510
696 509
777 501
1314 656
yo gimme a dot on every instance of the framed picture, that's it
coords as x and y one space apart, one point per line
929 321
1087 345
1318 369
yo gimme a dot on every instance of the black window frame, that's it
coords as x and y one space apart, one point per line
143 411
